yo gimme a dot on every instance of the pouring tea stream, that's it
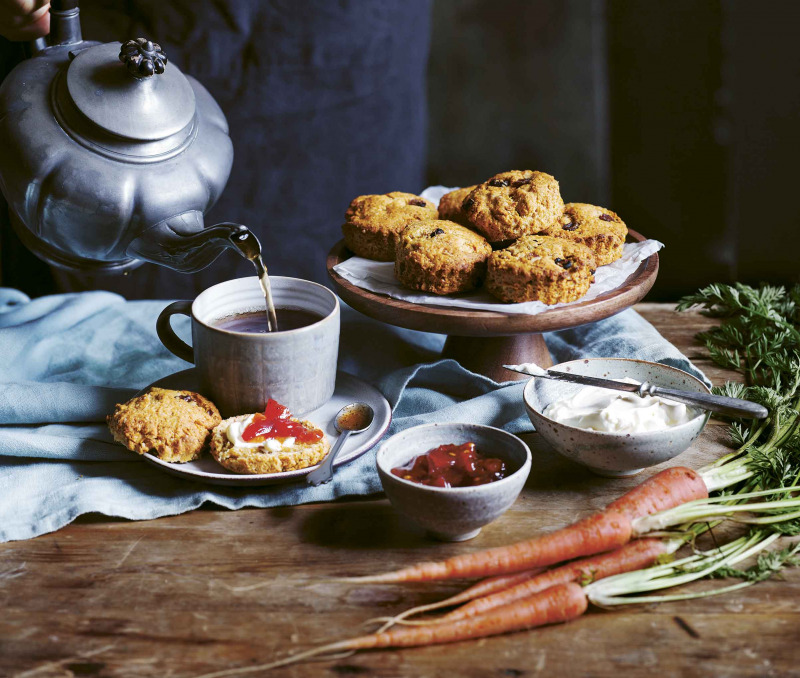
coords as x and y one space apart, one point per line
250 248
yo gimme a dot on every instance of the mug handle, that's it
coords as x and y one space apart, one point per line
167 335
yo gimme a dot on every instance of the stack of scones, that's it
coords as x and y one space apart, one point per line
512 232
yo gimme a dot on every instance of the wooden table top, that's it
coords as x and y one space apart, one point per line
189 595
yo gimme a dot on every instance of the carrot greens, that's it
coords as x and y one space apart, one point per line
768 564
622 589
759 336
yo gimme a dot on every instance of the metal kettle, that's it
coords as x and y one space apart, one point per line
110 156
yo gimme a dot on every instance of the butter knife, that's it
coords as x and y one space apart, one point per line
732 407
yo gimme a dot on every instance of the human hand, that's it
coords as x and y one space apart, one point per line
24 19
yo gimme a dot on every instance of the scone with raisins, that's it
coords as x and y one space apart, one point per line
441 257
541 268
450 205
173 425
513 204
601 230
372 222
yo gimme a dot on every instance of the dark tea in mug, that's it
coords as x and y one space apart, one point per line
255 322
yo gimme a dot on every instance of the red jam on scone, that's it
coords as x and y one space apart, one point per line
277 422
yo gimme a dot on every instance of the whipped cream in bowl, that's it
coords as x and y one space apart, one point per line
615 433
601 409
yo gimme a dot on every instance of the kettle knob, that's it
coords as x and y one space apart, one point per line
142 57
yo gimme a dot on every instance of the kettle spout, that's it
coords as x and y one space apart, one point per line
183 244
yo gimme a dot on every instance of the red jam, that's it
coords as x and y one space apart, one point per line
277 422
453 466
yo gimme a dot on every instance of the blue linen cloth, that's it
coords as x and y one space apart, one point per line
65 360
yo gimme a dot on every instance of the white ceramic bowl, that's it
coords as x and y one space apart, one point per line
613 454
457 513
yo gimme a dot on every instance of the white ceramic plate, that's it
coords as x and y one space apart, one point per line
348 389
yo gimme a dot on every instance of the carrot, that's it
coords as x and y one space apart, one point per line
666 489
490 585
600 532
556 604
483 588
597 533
633 556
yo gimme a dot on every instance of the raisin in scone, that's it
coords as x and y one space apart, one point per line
272 455
513 204
601 230
541 268
372 222
450 205
173 425
441 257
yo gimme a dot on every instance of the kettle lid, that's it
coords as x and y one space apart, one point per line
131 92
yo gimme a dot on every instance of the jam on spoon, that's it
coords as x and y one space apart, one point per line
453 466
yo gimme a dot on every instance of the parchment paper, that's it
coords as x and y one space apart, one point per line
378 276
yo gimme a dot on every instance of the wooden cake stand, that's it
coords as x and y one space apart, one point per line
483 341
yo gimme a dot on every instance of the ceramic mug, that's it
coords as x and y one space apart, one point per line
240 371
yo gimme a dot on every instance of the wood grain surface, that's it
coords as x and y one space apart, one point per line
189 595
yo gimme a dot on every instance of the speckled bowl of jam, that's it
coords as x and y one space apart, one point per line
452 479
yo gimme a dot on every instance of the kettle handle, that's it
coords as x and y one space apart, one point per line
65 27
65 22
167 335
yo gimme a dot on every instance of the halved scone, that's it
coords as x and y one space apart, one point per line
273 455
172 425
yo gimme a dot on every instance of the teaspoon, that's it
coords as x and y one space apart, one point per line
353 418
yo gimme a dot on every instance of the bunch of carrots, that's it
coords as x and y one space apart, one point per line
624 550
595 560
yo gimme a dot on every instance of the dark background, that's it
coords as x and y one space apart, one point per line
681 116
